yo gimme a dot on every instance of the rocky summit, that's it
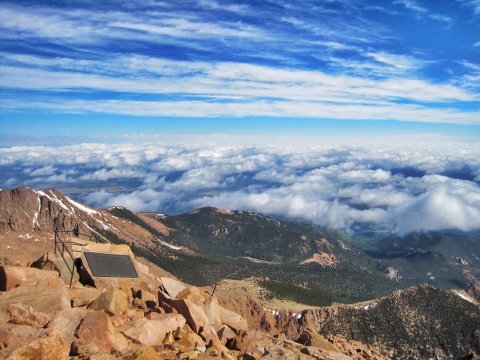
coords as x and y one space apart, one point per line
42 317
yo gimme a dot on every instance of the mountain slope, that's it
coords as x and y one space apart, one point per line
419 322
209 244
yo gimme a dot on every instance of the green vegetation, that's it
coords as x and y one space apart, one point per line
222 241
313 297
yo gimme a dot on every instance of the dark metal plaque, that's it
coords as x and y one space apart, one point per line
111 265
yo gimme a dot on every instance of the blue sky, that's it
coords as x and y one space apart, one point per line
92 70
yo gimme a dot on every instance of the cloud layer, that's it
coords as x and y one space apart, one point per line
404 187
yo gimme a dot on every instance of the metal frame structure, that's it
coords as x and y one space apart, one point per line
62 247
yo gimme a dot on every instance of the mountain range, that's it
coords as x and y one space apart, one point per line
209 244
365 289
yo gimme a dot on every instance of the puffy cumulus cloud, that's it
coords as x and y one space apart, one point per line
135 201
401 186
453 204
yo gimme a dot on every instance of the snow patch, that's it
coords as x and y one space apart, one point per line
169 245
35 216
464 297
81 207
54 199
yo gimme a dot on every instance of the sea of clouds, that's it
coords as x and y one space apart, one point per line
394 184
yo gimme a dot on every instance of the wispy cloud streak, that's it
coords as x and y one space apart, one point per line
342 63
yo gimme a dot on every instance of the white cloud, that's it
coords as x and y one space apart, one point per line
444 206
412 5
422 11
474 4
325 182
239 89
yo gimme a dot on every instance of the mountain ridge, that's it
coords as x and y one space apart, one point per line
207 244
396 319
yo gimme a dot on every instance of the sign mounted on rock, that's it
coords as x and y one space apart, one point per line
110 265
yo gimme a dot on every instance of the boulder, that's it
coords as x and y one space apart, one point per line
154 313
172 286
194 294
153 332
322 354
253 343
190 341
8 338
133 314
232 319
97 328
20 314
43 295
54 262
225 333
118 320
208 333
12 276
84 296
66 322
213 310
194 314
145 300
90 351
147 353
216 347
113 301
47 347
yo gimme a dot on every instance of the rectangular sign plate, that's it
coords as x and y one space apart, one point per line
110 265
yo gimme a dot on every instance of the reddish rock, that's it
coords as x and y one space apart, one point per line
118 320
194 314
252 343
24 209
55 262
113 301
145 300
83 296
153 332
47 347
172 286
8 338
232 319
66 322
12 276
133 314
355 349
216 346
48 296
225 333
148 353
20 314
190 341
97 328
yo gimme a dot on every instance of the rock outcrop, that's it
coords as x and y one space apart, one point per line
135 318
474 291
